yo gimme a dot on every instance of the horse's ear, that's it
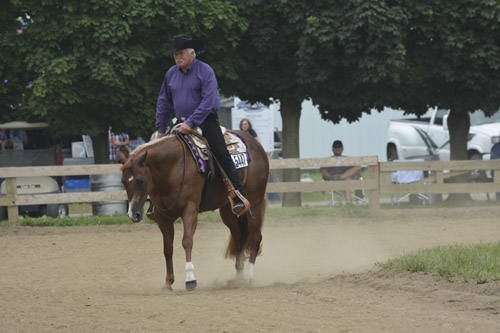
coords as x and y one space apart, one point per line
142 158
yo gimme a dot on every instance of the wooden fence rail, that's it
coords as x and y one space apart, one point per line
370 185
378 181
439 172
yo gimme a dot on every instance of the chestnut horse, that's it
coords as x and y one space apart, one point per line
166 171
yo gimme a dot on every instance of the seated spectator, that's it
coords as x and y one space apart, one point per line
495 155
341 172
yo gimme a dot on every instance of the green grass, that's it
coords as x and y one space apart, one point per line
347 211
96 220
478 263
73 221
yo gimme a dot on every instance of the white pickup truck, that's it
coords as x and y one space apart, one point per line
429 135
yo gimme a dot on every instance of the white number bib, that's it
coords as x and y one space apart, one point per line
240 160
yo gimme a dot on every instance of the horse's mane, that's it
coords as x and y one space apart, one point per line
141 150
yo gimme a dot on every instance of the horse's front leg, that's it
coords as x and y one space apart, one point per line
190 221
167 230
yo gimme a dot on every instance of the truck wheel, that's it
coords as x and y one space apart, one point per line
57 210
392 153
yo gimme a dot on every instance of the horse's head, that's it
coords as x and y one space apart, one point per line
134 178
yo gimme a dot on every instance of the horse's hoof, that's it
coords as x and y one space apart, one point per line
191 285
167 288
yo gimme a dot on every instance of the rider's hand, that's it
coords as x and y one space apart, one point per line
160 135
184 128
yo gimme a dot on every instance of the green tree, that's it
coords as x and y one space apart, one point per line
101 63
403 54
331 51
13 75
408 55
267 71
349 54
453 61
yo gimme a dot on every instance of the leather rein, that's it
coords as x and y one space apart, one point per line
183 176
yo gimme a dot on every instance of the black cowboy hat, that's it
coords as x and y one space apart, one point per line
184 42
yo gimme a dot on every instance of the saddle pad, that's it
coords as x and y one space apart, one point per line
235 145
237 149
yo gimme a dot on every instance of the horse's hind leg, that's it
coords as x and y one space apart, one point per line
242 222
239 233
255 236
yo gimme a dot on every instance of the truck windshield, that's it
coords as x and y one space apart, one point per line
478 118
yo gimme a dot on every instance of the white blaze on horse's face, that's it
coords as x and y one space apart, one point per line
130 212
136 188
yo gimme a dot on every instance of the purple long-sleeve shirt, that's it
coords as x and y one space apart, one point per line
192 95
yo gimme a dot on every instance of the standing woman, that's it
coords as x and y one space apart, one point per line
246 125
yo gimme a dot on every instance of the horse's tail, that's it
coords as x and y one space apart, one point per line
250 227
230 252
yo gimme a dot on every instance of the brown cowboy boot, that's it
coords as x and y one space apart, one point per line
239 204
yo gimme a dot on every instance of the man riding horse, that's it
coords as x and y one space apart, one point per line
190 90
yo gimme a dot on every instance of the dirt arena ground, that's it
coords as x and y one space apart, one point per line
316 274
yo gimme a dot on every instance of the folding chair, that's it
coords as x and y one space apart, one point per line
358 196
404 177
330 197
